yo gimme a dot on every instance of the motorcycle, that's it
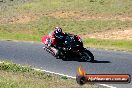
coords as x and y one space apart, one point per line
72 46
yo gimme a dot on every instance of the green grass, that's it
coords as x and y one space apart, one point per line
15 76
109 44
19 36
13 8
46 24
106 7
12 67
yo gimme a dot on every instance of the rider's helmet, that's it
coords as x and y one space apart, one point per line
58 30
58 33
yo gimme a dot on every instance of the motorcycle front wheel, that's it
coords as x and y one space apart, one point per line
86 55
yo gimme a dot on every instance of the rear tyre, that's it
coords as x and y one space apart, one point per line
64 58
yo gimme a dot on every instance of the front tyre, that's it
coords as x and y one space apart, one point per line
86 55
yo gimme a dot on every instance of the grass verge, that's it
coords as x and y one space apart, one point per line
19 36
124 45
16 76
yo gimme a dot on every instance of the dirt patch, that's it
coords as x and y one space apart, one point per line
112 34
23 19
85 16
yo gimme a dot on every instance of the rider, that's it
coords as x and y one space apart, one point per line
57 37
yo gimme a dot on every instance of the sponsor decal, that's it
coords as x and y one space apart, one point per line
82 78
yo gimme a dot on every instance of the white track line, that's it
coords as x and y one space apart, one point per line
105 85
54 73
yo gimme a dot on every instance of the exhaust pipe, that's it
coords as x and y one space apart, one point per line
51 50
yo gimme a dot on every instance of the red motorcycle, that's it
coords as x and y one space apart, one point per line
72 46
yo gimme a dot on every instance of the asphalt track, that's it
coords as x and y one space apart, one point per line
107 61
